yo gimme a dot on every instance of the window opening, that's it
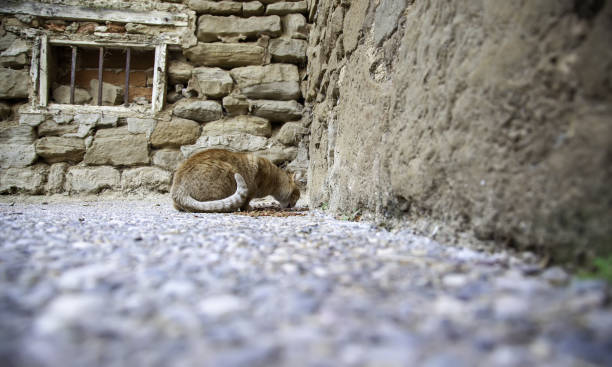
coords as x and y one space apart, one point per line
101 76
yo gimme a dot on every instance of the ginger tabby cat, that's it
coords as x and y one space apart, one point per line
219 180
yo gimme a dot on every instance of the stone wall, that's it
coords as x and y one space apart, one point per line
490 119
234 79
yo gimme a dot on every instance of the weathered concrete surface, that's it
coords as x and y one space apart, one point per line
116 283
489 118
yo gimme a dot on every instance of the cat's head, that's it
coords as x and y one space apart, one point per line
294 194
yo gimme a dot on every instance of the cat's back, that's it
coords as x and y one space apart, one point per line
215 162
212 157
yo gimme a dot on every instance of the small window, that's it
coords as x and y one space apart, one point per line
70 74
126 74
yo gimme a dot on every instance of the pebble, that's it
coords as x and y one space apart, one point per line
127 282
510 307
556 276
221 305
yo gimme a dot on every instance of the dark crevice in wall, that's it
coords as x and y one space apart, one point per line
588 9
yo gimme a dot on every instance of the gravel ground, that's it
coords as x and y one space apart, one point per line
134 283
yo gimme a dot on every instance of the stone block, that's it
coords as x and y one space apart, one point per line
21 134
141 126
274 90
179 72
236 105
252 8
86 123
225 55
168 159
290 133
212 82
87 118
7 40
56 178
61 95
145 179
108 121
251 125
26 180
17 155
284 8
63 118
52 128
55 149
215 7
112 95
235 142
353 23
288 50
274 81
386 17
276 111
14 83
175 133
198 110
18 47
274 1
31 119
232 29
295 26
91 180
252 75
278 154
117 147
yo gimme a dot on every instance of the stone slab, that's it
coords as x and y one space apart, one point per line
225 55
175 133
14 84
198 110
91 180
55 149
26 180
276 111
117 147
232 29
212 82
145 179
251 125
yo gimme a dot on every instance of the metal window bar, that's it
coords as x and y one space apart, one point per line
126 88
100 67
73 73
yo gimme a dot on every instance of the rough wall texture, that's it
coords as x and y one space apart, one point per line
233 73
492 118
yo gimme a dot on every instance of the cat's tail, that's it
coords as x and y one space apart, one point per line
231 203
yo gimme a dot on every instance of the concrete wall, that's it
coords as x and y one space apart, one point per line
233 74
488 118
